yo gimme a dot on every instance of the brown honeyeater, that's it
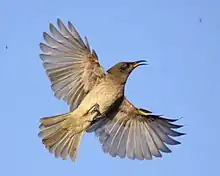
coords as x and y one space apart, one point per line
97 103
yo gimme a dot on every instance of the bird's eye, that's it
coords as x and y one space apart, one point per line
124 66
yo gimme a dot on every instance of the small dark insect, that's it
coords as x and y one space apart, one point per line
6 47
200 20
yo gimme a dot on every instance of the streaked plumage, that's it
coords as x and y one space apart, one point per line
97 103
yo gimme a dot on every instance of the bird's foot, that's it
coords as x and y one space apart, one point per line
95 112
101 115
94 109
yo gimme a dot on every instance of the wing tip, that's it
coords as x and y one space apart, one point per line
59 20
52 27
46 36
41 56
42 47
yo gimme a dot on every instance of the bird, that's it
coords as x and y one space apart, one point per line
97 103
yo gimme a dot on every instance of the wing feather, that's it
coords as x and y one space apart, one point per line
71 66
136 133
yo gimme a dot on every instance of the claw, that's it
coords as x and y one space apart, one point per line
94 109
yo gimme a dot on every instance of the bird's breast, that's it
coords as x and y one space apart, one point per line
104 94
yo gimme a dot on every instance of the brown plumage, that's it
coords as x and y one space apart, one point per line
97 103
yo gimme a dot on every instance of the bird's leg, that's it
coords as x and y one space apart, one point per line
94 112
100 115
94 109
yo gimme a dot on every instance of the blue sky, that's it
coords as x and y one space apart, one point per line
182 80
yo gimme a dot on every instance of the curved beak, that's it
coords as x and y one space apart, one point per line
139 63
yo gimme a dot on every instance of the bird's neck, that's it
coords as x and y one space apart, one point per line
117 78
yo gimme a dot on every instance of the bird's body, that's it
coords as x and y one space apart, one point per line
97 103
104 95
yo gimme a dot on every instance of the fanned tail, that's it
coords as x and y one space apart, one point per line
59 136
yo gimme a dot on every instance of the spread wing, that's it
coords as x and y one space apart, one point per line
70 65
136 133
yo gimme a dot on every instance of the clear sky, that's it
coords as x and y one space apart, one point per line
182 80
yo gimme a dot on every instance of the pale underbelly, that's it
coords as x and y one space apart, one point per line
104 96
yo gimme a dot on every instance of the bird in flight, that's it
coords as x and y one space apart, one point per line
97 103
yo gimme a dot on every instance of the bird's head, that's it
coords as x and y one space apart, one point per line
122 70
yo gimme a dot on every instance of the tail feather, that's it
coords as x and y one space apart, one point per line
56 148
50 141
48 121
71 148
74 148
59 149
60 136
48 131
